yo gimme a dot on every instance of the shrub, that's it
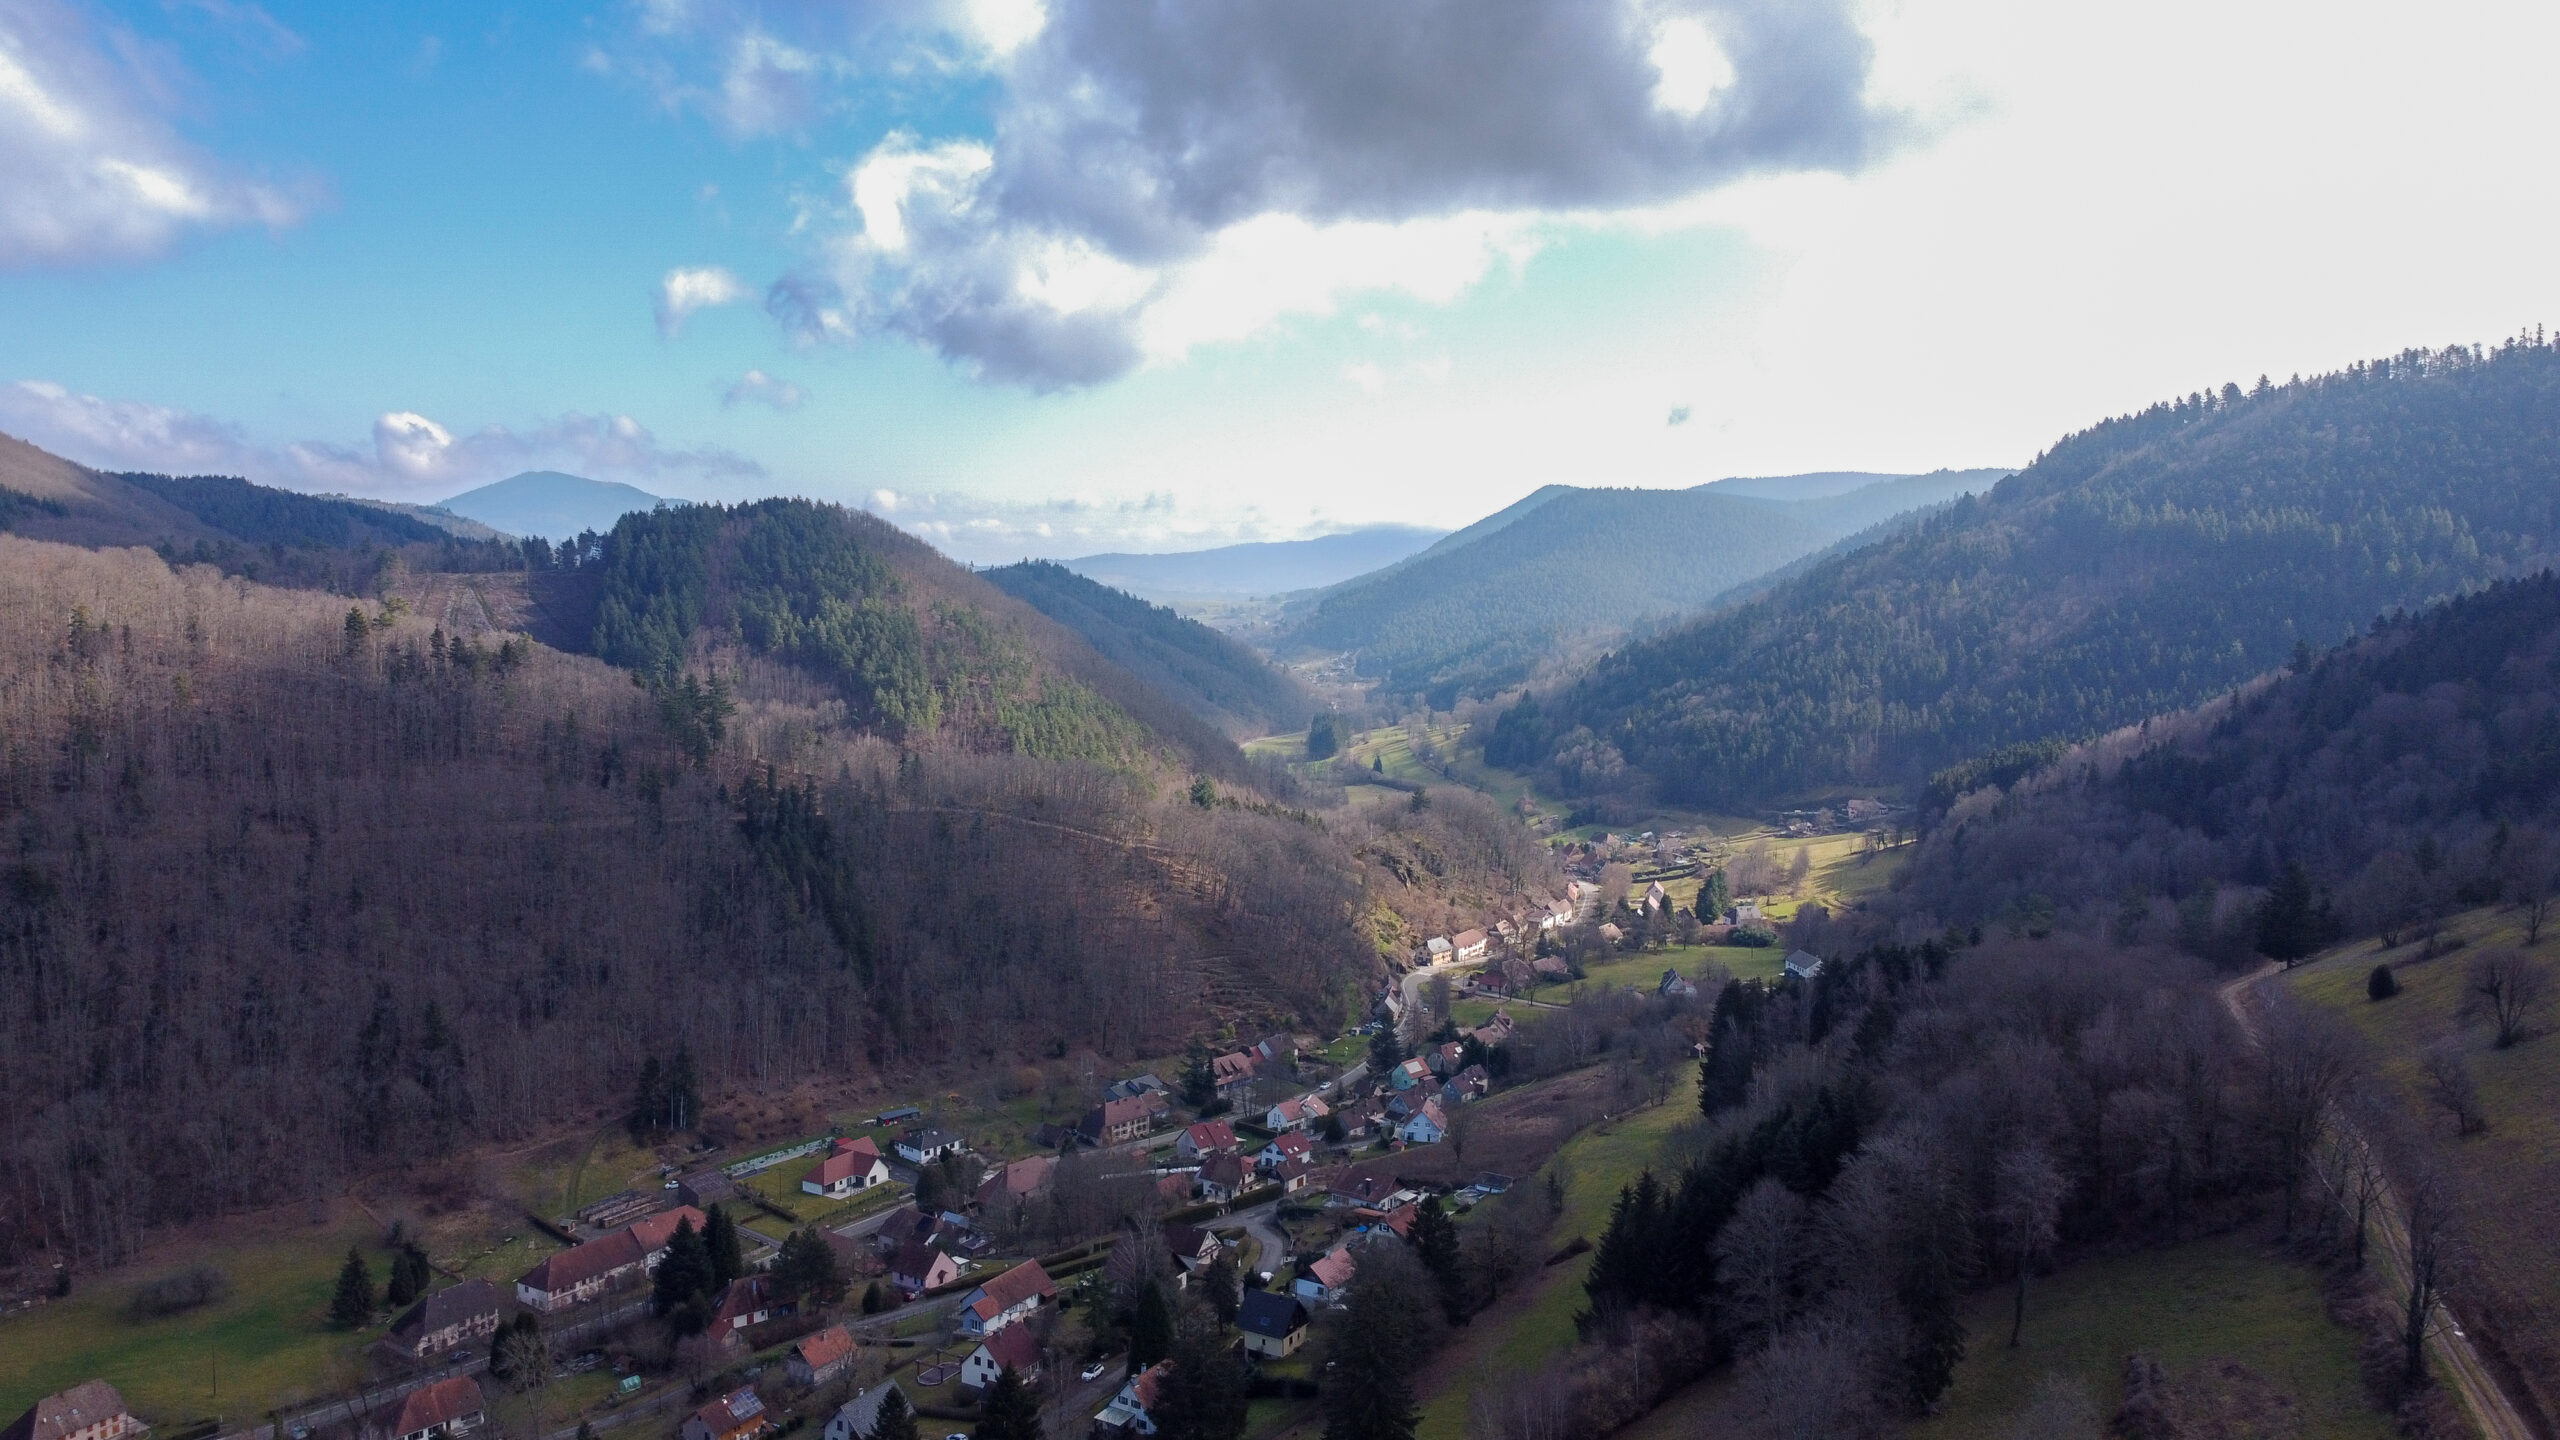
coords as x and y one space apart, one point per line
2381 984
175 1294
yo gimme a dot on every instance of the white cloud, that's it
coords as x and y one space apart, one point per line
683 292
758 388
408 454
90 168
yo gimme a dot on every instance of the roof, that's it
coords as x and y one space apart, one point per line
1333 1269
1303 1107
1212 1135
439 1404
1017 1179
579 1264
743 1296
1184 1239
1232 1067
1111 1113
1145 1385
1467 939
1269 1313
861 1414
825 1347
653 1233
733 1411
917 1259
928 1137
1013 1348
447 1308
1224 1168
1022 1282
848 1159
1293 1144
1805 963
81 1406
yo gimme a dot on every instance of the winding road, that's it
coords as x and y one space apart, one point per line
2456 1359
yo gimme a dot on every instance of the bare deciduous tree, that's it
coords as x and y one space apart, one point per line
2306 1060
2431 1261
2026 1200
2508 986
1760 1255
2452 1089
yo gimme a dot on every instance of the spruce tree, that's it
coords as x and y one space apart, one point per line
1150 1328
1435 1240
1012 1411
410 1275
2289 920
1202 1393
896 1421
648 1102
352 1306
684 1101
720 1241
681 1293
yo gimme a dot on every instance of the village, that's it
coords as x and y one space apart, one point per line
894 1274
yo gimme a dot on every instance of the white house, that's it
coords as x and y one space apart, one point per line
1295 1114
1007 1298
923 1147
1127 1412
1011 1348
1470 945
1804 965
850 1166
1438 951
1324 1279
858 1417
1425 1126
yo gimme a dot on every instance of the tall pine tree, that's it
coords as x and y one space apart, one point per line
352 1306
1012 1410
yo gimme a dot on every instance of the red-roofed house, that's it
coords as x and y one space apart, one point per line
1231 1072
1016 1182
820 1357
1469 945
734 1416
1009 1297
1209 1137
1127 1412
1294 1145
654 1234
90 1410
850 1166
580 1273
747 1300
1012 1348
446 1408
1115 1122
1295 1114
1322 1282
1221 1176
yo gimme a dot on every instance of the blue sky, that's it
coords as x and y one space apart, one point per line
1089 275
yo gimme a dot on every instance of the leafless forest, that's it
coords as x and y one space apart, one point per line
291 896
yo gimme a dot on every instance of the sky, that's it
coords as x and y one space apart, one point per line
1052 277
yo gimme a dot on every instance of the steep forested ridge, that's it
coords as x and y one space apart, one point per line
2407 769
2139 566
1218 679
1480 615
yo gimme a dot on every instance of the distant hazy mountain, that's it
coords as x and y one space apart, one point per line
1214 677
1274 567
550 504
1479 610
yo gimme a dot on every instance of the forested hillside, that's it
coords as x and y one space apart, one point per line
1218 679
1478 616
2403 773
2137 567
297 890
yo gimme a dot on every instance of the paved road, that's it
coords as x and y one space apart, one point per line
2457 1360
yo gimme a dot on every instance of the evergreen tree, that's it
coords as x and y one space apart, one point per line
1435 1240
352 1306
720 1242
1386 1052
410 1275
875 1298
1389 1322
1714 898
683 1100
1201 1395
807 1267
682 1288
1225 1288
1199 1080
1150 1328
649 1102
895 1421
1324 737
2381 984
1012 1411
2289 920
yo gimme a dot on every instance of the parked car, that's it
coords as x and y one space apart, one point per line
1094 1370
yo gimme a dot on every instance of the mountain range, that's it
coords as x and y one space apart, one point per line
1262 567
549 504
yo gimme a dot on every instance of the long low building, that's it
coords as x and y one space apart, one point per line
583 1272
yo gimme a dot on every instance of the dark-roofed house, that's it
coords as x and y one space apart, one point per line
579 1273
90 1410
705 1188
1192 1248
733 1416
747 1300
919 1267
820 1357
1007 1298
446 1408
859 1417
1016 1182
1012 1348
1133 1087
926 1144
1274 1325
1804 965
849 1166
449 1317
1221 1176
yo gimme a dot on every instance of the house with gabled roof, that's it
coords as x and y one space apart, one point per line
1127 1412
1296 1113
1007 1298
1209 1137
1469 945
919 1267
1012 1348
926 1144
734 1416
1325 1278
1115 1122
1804 965
859 1417
90 1410
1016 1182
446 1408
1426 1126
820 1356
452 1316
849 1166
1231 1072
1294 1145
1274 1325
1220 1177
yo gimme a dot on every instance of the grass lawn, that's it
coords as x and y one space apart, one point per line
2227 1298
269 1344
2506 1178
1515 1337
1644 968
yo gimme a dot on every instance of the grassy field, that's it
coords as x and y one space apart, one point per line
267 1345
2192 1308
2507 1179
1532 1328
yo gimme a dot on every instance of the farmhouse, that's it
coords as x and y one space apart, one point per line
1012 1348
579 1273
90 1410
821 1357
850 1165
446 1408
468 1311
1274 1325
1007 1298
733 1416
